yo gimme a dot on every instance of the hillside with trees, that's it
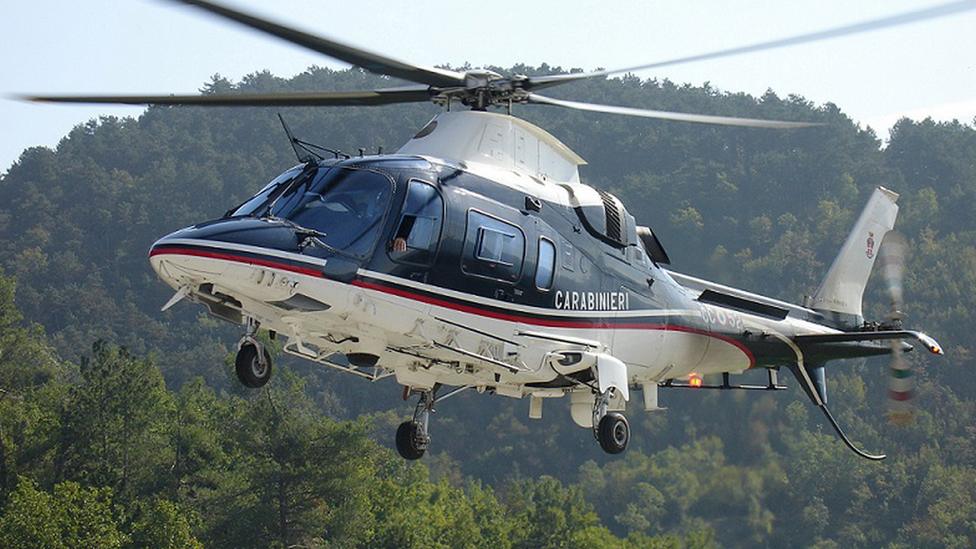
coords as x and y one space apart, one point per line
123 426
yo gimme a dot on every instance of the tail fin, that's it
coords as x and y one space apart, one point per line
843 287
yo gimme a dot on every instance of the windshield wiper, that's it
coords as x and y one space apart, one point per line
306 235
300 230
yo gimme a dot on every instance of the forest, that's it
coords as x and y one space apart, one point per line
124 426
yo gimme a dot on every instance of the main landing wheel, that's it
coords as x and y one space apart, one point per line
613 433
251 370
411 440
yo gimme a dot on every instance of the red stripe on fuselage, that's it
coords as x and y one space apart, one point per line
236 258
596 323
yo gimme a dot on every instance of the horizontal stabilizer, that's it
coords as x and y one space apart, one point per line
929 343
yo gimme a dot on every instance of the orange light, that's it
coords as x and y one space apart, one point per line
694 380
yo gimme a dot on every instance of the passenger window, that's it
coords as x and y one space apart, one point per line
492 248
418 232
492 245
546 264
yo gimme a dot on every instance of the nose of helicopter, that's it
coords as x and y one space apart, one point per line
237 231
203 253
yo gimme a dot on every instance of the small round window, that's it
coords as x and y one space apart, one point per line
546 264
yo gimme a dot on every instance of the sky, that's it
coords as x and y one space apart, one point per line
158 46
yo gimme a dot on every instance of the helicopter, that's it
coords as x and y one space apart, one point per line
475 258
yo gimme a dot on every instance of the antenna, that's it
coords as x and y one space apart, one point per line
304 150
304 155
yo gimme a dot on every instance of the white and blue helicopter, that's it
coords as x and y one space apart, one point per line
474 258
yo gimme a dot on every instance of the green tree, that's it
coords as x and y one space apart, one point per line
547 514
71 516
296 477
113 424
31 383
161 524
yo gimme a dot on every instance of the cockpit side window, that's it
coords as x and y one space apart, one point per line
419 229
492 248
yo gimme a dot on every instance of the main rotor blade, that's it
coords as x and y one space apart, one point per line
385 96
370 61
943 10
668 115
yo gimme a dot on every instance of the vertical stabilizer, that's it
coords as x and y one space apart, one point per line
843 287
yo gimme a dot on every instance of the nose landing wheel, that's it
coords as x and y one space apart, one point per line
253 361
253 365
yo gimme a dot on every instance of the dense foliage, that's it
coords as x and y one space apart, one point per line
144 438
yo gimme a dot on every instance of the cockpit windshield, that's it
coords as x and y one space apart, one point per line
348 205
255 203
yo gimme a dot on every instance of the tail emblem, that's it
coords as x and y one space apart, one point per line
870 251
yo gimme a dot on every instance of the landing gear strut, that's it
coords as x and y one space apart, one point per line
412 437
253 362
611 429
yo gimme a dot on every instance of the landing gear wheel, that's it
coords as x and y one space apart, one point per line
613 433
251 371
411 441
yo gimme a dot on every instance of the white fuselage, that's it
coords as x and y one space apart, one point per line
402 321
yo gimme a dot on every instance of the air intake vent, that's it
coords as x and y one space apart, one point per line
614 216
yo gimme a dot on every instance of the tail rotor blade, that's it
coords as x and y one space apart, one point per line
901 387
892 257
901 382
